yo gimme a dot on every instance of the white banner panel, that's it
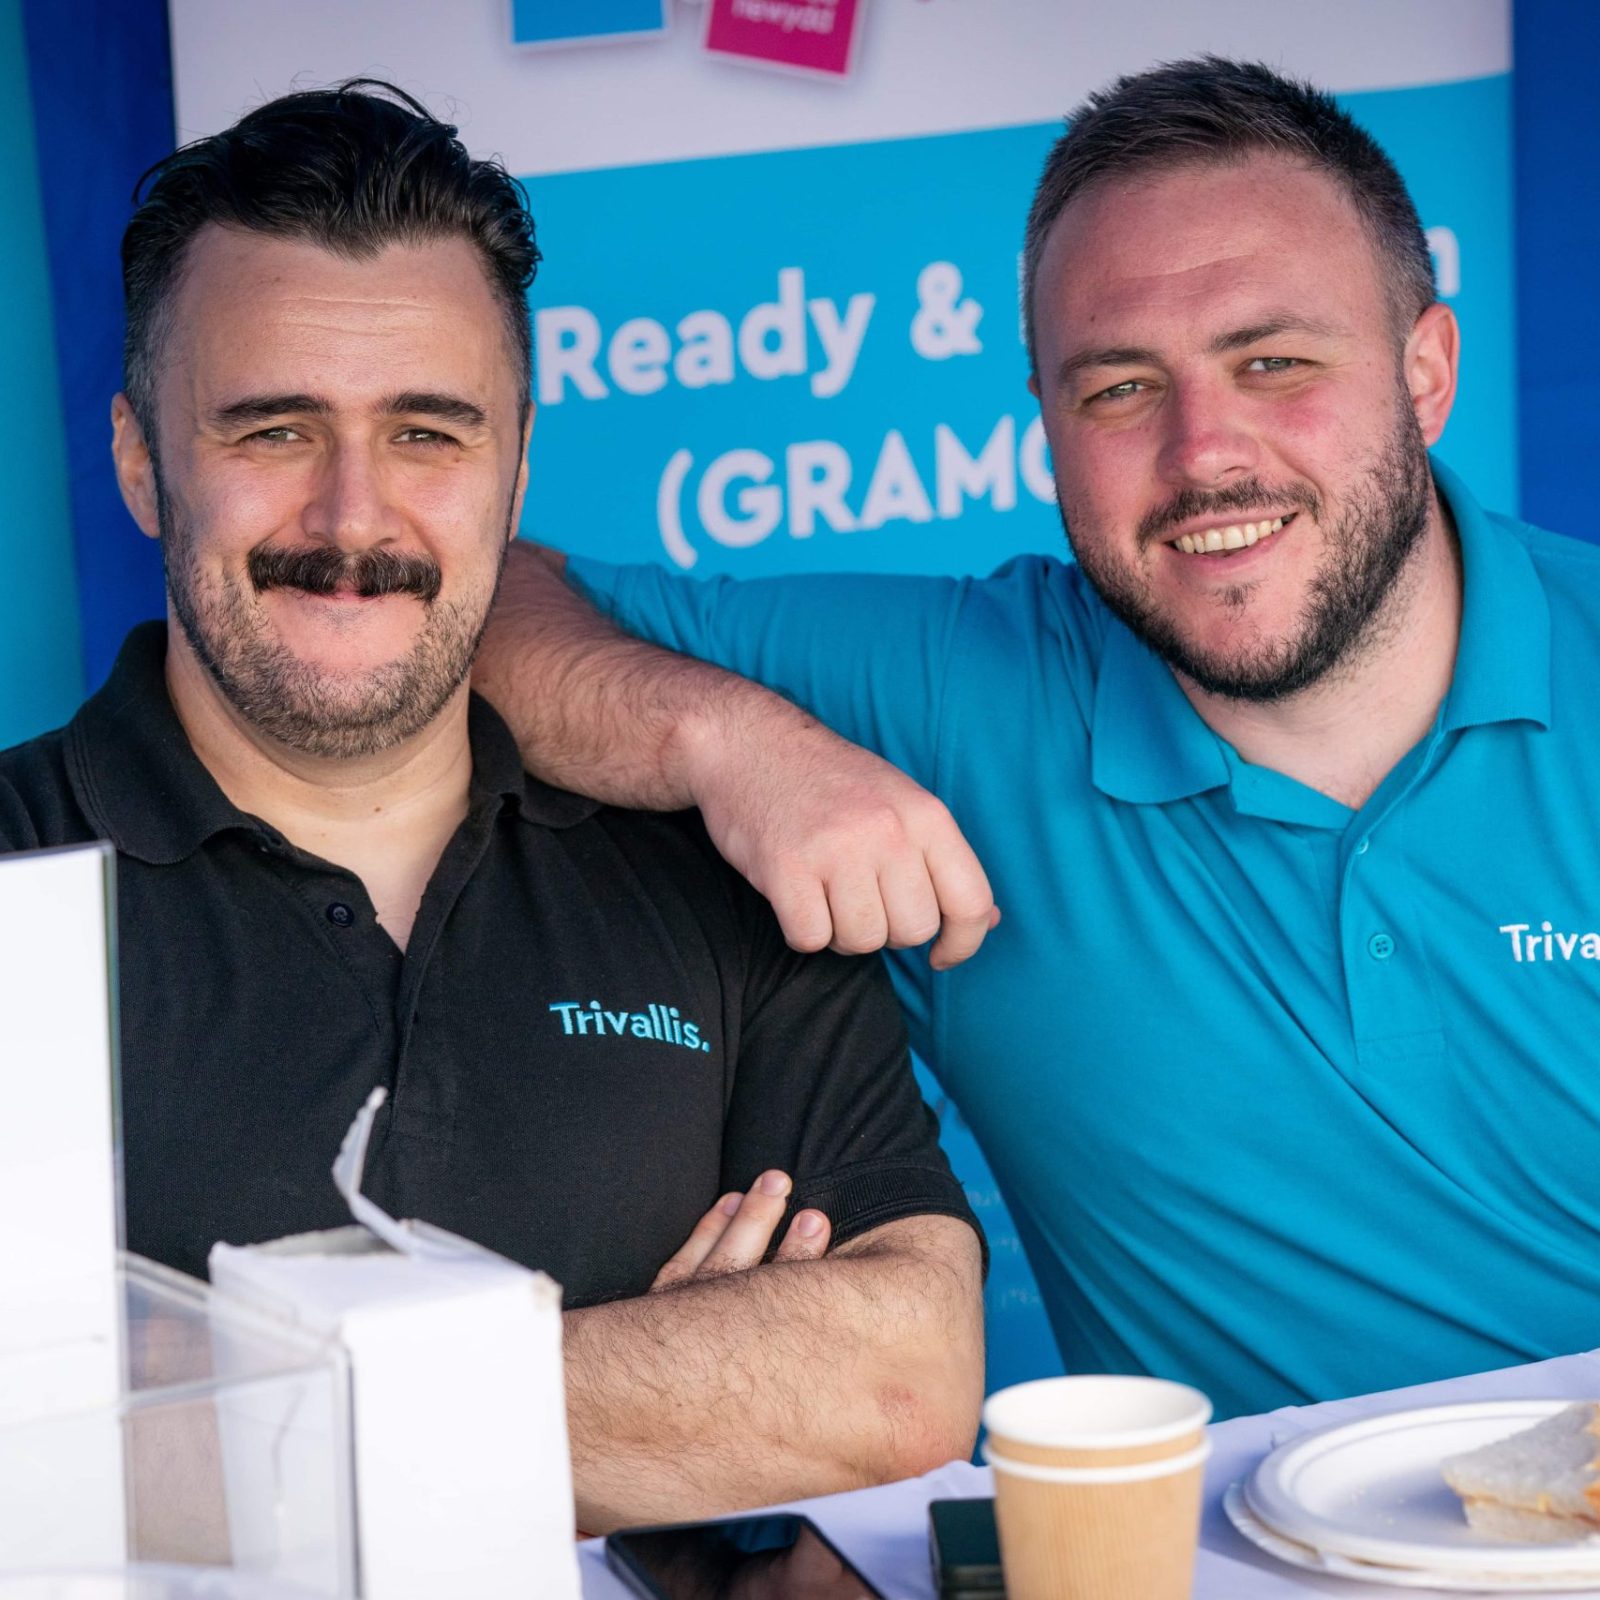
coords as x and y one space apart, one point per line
921 67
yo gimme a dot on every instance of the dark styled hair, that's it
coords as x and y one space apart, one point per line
353 169
1210 109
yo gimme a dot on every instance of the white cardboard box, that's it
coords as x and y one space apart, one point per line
463 1477
110 1399
60 1337
58 1175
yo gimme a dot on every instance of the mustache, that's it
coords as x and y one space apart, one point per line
320 569
1248 494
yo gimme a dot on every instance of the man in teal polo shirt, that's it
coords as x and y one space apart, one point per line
1284 1051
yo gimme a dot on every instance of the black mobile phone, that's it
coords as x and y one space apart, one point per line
777 1556
965 1547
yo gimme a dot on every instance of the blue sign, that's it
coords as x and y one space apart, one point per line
811 359
569 21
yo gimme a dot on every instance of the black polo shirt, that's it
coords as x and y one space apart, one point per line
595 1030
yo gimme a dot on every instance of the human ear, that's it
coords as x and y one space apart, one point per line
522 474
135 467
1432 353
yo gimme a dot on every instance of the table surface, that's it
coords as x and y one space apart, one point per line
885 1530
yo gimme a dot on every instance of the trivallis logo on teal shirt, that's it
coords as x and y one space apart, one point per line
662 1023
1549 943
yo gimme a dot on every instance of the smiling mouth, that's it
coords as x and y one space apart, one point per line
1225 538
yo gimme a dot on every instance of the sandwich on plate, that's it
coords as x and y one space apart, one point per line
1542 1485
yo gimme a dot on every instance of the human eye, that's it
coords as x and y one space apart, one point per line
1126 390
429 438
1274 364
279 434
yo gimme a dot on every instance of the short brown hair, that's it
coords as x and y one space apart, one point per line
353 168
1213 109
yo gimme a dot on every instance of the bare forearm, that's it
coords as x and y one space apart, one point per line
785 1381
848 849
601 712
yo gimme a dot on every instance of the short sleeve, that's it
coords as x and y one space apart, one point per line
867 653
37 808
823 1089
16 832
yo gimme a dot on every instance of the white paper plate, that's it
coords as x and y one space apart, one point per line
1334 1566
1371 1491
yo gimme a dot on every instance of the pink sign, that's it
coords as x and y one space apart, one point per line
811 35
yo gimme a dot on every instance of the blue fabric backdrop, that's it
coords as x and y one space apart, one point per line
39 643
1557 154
102 104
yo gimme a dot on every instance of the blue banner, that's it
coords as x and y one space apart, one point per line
821 366
562 21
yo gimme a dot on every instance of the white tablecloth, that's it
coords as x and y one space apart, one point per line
885 1530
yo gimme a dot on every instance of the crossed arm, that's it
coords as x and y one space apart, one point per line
735 1384
849 851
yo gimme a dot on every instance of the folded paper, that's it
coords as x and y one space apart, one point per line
463 1478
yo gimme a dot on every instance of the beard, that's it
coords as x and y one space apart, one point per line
1368 546
308 708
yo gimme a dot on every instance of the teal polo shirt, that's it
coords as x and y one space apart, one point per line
1287 1100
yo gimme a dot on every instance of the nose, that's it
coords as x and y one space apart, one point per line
1205 440
348 506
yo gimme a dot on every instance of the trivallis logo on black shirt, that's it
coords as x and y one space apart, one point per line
661 1023
1548 943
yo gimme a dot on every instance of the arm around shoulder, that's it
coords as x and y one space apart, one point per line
850 851
595 709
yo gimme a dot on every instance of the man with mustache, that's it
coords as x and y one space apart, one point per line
1283 1054
602 1059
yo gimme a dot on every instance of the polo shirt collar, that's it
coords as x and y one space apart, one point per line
142 786
1151 746
1503 660
497 770
132 766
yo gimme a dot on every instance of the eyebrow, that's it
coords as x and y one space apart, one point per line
1271 328
1115 356
427 403
263 407
1234 339
408 403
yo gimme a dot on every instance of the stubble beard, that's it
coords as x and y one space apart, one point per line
318 713
1368 549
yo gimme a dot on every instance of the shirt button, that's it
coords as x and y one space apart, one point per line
1361 849
1380 947
340 915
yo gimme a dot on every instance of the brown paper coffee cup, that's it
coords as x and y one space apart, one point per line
1097 1486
